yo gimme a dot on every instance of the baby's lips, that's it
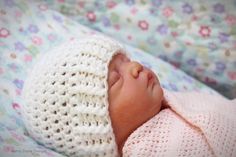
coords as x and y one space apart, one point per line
154 77
150 78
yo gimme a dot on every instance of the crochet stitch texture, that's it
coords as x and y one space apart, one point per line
195 125
66 99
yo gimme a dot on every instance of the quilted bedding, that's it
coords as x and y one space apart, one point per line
28 30
197 36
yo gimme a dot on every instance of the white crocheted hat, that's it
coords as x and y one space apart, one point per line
66 98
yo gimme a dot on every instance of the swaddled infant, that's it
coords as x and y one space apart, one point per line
87 98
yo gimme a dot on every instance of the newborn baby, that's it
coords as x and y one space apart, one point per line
135 95
87 98
190 124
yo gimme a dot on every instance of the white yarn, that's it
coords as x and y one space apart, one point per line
66 99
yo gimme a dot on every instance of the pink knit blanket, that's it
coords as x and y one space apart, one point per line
195 124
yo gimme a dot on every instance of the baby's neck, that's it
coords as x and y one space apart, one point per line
164 104
122 135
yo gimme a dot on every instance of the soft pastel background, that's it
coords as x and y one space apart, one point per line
198 36
29 29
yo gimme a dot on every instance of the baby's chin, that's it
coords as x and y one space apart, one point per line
158 95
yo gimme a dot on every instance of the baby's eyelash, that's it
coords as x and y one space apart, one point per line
115 78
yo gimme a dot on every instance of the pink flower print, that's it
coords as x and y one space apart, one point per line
18 14
72 38
175 64
91 16
51 37
21 29
234 44
2 44
194 18
8 149
37 40
18 92
230 19
232 75
43 7
174 34
117 27
199 70
111 4
81 4
28 58
48 153
4 33
143 25
16 107
18 137
178 54
211 81
129 37
167 11
205 31
133 11
188 43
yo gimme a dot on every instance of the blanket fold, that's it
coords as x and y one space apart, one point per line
195 124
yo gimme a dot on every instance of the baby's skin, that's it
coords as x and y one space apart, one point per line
134 95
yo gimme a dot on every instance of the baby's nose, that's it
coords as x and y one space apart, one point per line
135 68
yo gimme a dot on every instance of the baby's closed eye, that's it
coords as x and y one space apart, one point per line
113 78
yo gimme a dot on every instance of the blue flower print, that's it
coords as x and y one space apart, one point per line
157 3
129 2
220 66
18 83
106 22
19 46
57 18
219 8
192 62
223 37
162 29
33 28
188 9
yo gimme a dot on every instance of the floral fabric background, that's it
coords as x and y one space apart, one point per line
28 30
197 36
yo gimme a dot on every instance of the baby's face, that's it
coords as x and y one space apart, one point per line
135 94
